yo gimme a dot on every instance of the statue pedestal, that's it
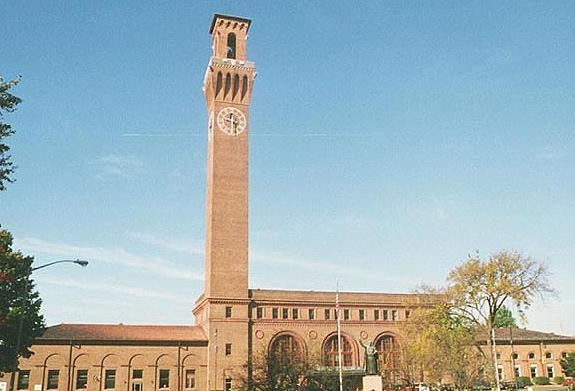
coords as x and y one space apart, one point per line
372 383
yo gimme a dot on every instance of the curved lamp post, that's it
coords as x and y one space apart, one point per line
76 261
21 322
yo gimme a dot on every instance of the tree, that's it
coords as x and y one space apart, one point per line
504 318
568 364
8 103
478 289
440 344
20 318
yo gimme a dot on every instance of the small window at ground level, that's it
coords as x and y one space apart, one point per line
137 373
81 379
164 378
53 377
23 380
517 371
533 371
228 349
109 379
550 371
190 378
228 384
228 312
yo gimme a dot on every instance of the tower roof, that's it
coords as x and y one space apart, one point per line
236 18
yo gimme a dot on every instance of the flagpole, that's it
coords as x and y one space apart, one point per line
338 336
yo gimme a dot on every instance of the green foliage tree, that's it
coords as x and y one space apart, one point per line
8 103
20 318
478 289
568 364
504 318
440 344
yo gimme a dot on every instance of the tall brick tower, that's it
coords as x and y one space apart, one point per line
222 310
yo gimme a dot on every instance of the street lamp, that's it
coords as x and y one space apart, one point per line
76 261
21 321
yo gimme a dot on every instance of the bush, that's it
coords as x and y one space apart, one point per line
523 381
541 380
558 380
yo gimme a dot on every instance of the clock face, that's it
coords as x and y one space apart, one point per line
231 121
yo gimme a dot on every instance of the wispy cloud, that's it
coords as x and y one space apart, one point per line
116 166
116 256
113 288
324 268
191 247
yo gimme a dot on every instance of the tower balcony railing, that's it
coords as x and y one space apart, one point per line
232 62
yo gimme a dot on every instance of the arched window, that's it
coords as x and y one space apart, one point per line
244 86
228 84
231 50
286 345
330 352
218 83
236 85
389 357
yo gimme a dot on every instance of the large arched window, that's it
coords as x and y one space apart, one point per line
330 352
286 345
389 356
231 50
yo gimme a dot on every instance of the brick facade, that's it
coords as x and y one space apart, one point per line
234 322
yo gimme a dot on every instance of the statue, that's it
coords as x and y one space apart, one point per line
371 358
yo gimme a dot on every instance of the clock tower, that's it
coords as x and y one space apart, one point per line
222 310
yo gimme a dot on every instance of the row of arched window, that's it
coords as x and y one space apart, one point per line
231 85
292 345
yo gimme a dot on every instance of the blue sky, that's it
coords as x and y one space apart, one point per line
388 141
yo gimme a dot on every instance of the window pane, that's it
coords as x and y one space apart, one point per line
81 379
137 373
110 379
164 378
190 378
53 377
23 380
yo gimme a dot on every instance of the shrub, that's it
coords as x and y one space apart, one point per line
541 380
558 380
523 381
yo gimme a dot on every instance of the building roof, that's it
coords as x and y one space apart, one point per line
504 335
122 332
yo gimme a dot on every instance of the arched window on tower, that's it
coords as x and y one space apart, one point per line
244 86
236 85
228 84
330 352
389 357
231 49
219 83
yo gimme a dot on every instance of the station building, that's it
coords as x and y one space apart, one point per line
232 321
